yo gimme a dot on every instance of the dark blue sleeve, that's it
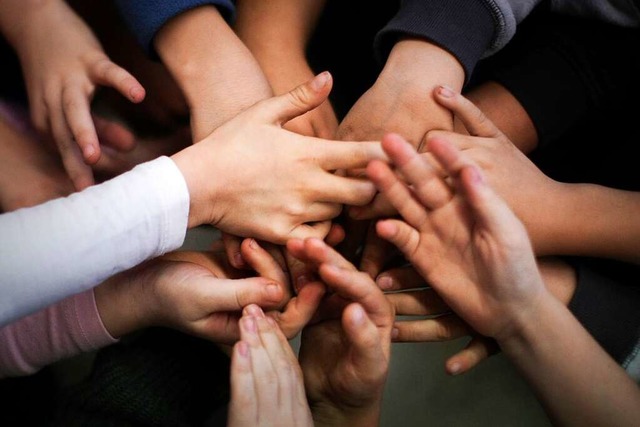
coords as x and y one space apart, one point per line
146 17
462 27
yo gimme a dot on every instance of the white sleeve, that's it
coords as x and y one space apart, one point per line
69 245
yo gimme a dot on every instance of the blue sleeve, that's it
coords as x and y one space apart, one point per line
146 17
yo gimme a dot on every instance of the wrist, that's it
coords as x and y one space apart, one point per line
121 306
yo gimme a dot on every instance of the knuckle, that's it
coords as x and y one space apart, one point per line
299 97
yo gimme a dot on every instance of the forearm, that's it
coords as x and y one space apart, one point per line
277 33
592 220
206 58
577 382
68 328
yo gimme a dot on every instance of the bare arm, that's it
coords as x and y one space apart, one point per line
217 73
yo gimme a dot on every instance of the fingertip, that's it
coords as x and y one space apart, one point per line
137 94
321 81
386 229
445 92
91 153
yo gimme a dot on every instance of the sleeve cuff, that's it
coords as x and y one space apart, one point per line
464 28
146 17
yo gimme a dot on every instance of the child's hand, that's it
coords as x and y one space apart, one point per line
63 64
195 292
253 178
461 237
345 361
266 381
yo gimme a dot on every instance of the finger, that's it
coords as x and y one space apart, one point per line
397 193
264 373
478 349
232 248
376 253
402 278
234 295
344 190
300 309
106 73
378 208
280 109
80 173
336 235
358 287
368 345
333 155
472 117
317 252
299 271
316 230
113 134
429 187
78 114
263 263
322 211
276 350
418 303
402 235
243 408
443 328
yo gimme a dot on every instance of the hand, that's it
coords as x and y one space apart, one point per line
63 64
468 233
345 361
530 193
252 178
266 381
195 292
401 99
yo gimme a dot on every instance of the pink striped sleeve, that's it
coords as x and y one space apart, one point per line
70 327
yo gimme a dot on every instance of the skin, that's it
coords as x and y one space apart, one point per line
304 183
470 234
63 65
277 33
209 62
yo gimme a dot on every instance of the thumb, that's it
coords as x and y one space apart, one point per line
364 338
280 109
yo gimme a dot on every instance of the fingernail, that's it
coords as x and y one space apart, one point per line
358 315
271 321
253 244
384 282
446 92
454 368
273 292
320 81
243 349
476 175
394 333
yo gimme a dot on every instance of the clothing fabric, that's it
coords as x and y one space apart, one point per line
69 245
146 17
474 29
62 330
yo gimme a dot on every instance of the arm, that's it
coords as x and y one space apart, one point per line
277 33
196 292
63 64
471 234
216 72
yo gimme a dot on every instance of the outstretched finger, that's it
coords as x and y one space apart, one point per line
233 295
243 408
349 155
478 349
401 278
299 310
78 114
369 346
443 328
418 303
264 263
397 193
106 73
114 134
401 234
476 122
425 181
